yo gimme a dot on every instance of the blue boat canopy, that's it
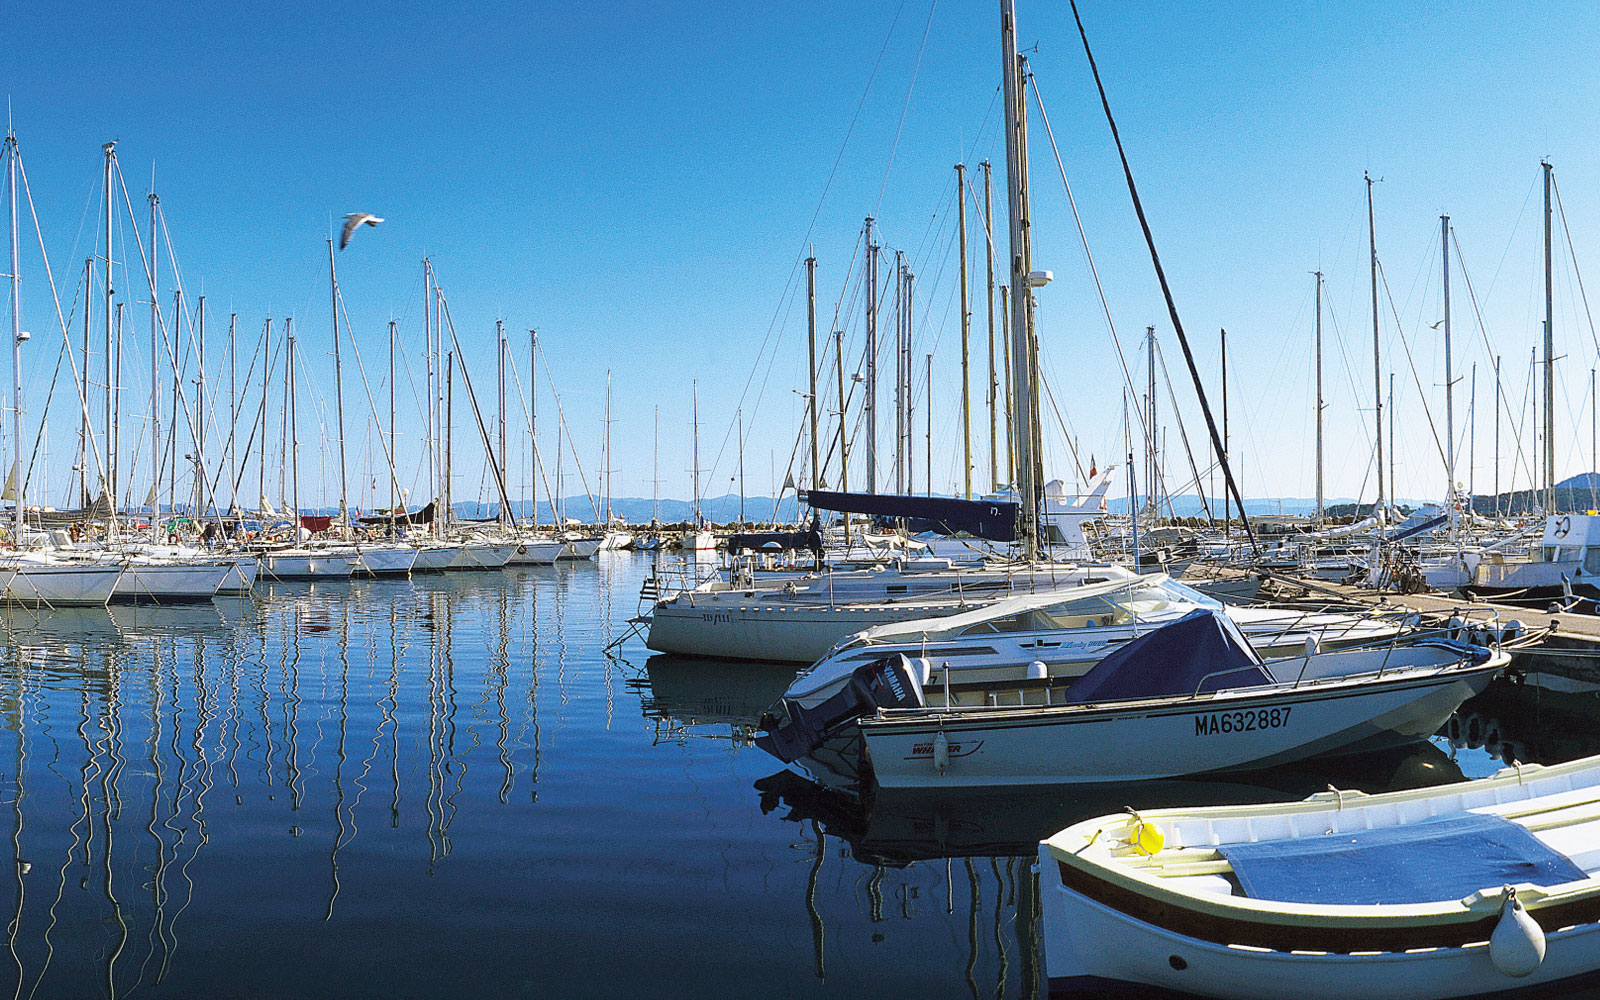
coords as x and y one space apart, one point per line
1447 857
995 520
1202 651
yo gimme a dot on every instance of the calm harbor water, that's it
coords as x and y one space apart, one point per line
442 788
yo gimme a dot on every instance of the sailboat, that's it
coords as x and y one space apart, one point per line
697 539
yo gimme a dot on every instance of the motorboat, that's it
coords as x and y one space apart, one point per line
1038 644
1192 697
1478 888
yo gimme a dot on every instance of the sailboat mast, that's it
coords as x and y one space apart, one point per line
1497 435
605 470
694 425
1549 360
740 417
427 353
1227 497
449 433
294 426
844 455
393 499
994 381
811 366
16 342
1024 427
155 352
338 396
533 420
1377 365
1449 380
83 419
655 472
966 338
869 408
233 406
266 387
1320 499
110 168
200 414
929 417
1151 476
500 336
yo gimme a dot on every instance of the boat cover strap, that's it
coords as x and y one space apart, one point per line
1437 860
1202 651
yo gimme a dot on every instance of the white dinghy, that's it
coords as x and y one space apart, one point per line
1190 698
1476 889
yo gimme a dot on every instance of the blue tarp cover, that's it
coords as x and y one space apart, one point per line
1173 660
1445 858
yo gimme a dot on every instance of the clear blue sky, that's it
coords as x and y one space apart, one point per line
639 181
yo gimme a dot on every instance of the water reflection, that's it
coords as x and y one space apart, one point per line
1529 718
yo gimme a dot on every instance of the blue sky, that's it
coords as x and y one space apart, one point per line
640 182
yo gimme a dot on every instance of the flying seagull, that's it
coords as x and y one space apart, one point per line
353 220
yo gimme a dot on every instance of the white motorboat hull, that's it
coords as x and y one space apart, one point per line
1144 740
63 585
387 560
1077 929
165 583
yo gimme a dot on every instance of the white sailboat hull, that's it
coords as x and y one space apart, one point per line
538 552
434 558
483 555
580 548
165 583
63 584
388 560
240 578
308 565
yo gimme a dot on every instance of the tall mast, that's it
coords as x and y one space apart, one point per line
1549 360
294 426
994 382
500 344
16 342
427 353
338 396
655 472
155 354
869 407
844 454
1151 476
233 406
1449 381
811 367
1393 486
1005 364
739 416
393 499
449 432
1377 367
1024 425
1472 437
1497 435
605 441
533 420
966 337
694 428
1320 500
929 419
200 414
910 281
110 168
83 419
266 386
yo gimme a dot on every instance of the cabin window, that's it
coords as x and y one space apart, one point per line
1591 562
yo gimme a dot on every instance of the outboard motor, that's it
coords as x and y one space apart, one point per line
791 731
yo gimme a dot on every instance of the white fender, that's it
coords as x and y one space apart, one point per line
941 752
1517 945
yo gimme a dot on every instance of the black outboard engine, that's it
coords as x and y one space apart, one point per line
791 731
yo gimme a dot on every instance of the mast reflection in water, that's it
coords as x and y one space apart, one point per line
440 787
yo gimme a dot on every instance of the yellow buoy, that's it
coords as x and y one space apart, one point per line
1147 838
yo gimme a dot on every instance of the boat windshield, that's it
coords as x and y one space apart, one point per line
1121 607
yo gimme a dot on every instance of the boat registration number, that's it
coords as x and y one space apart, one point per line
1221 723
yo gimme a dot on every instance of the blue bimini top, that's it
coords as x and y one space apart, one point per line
1445 858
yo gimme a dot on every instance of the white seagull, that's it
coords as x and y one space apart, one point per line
353 220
